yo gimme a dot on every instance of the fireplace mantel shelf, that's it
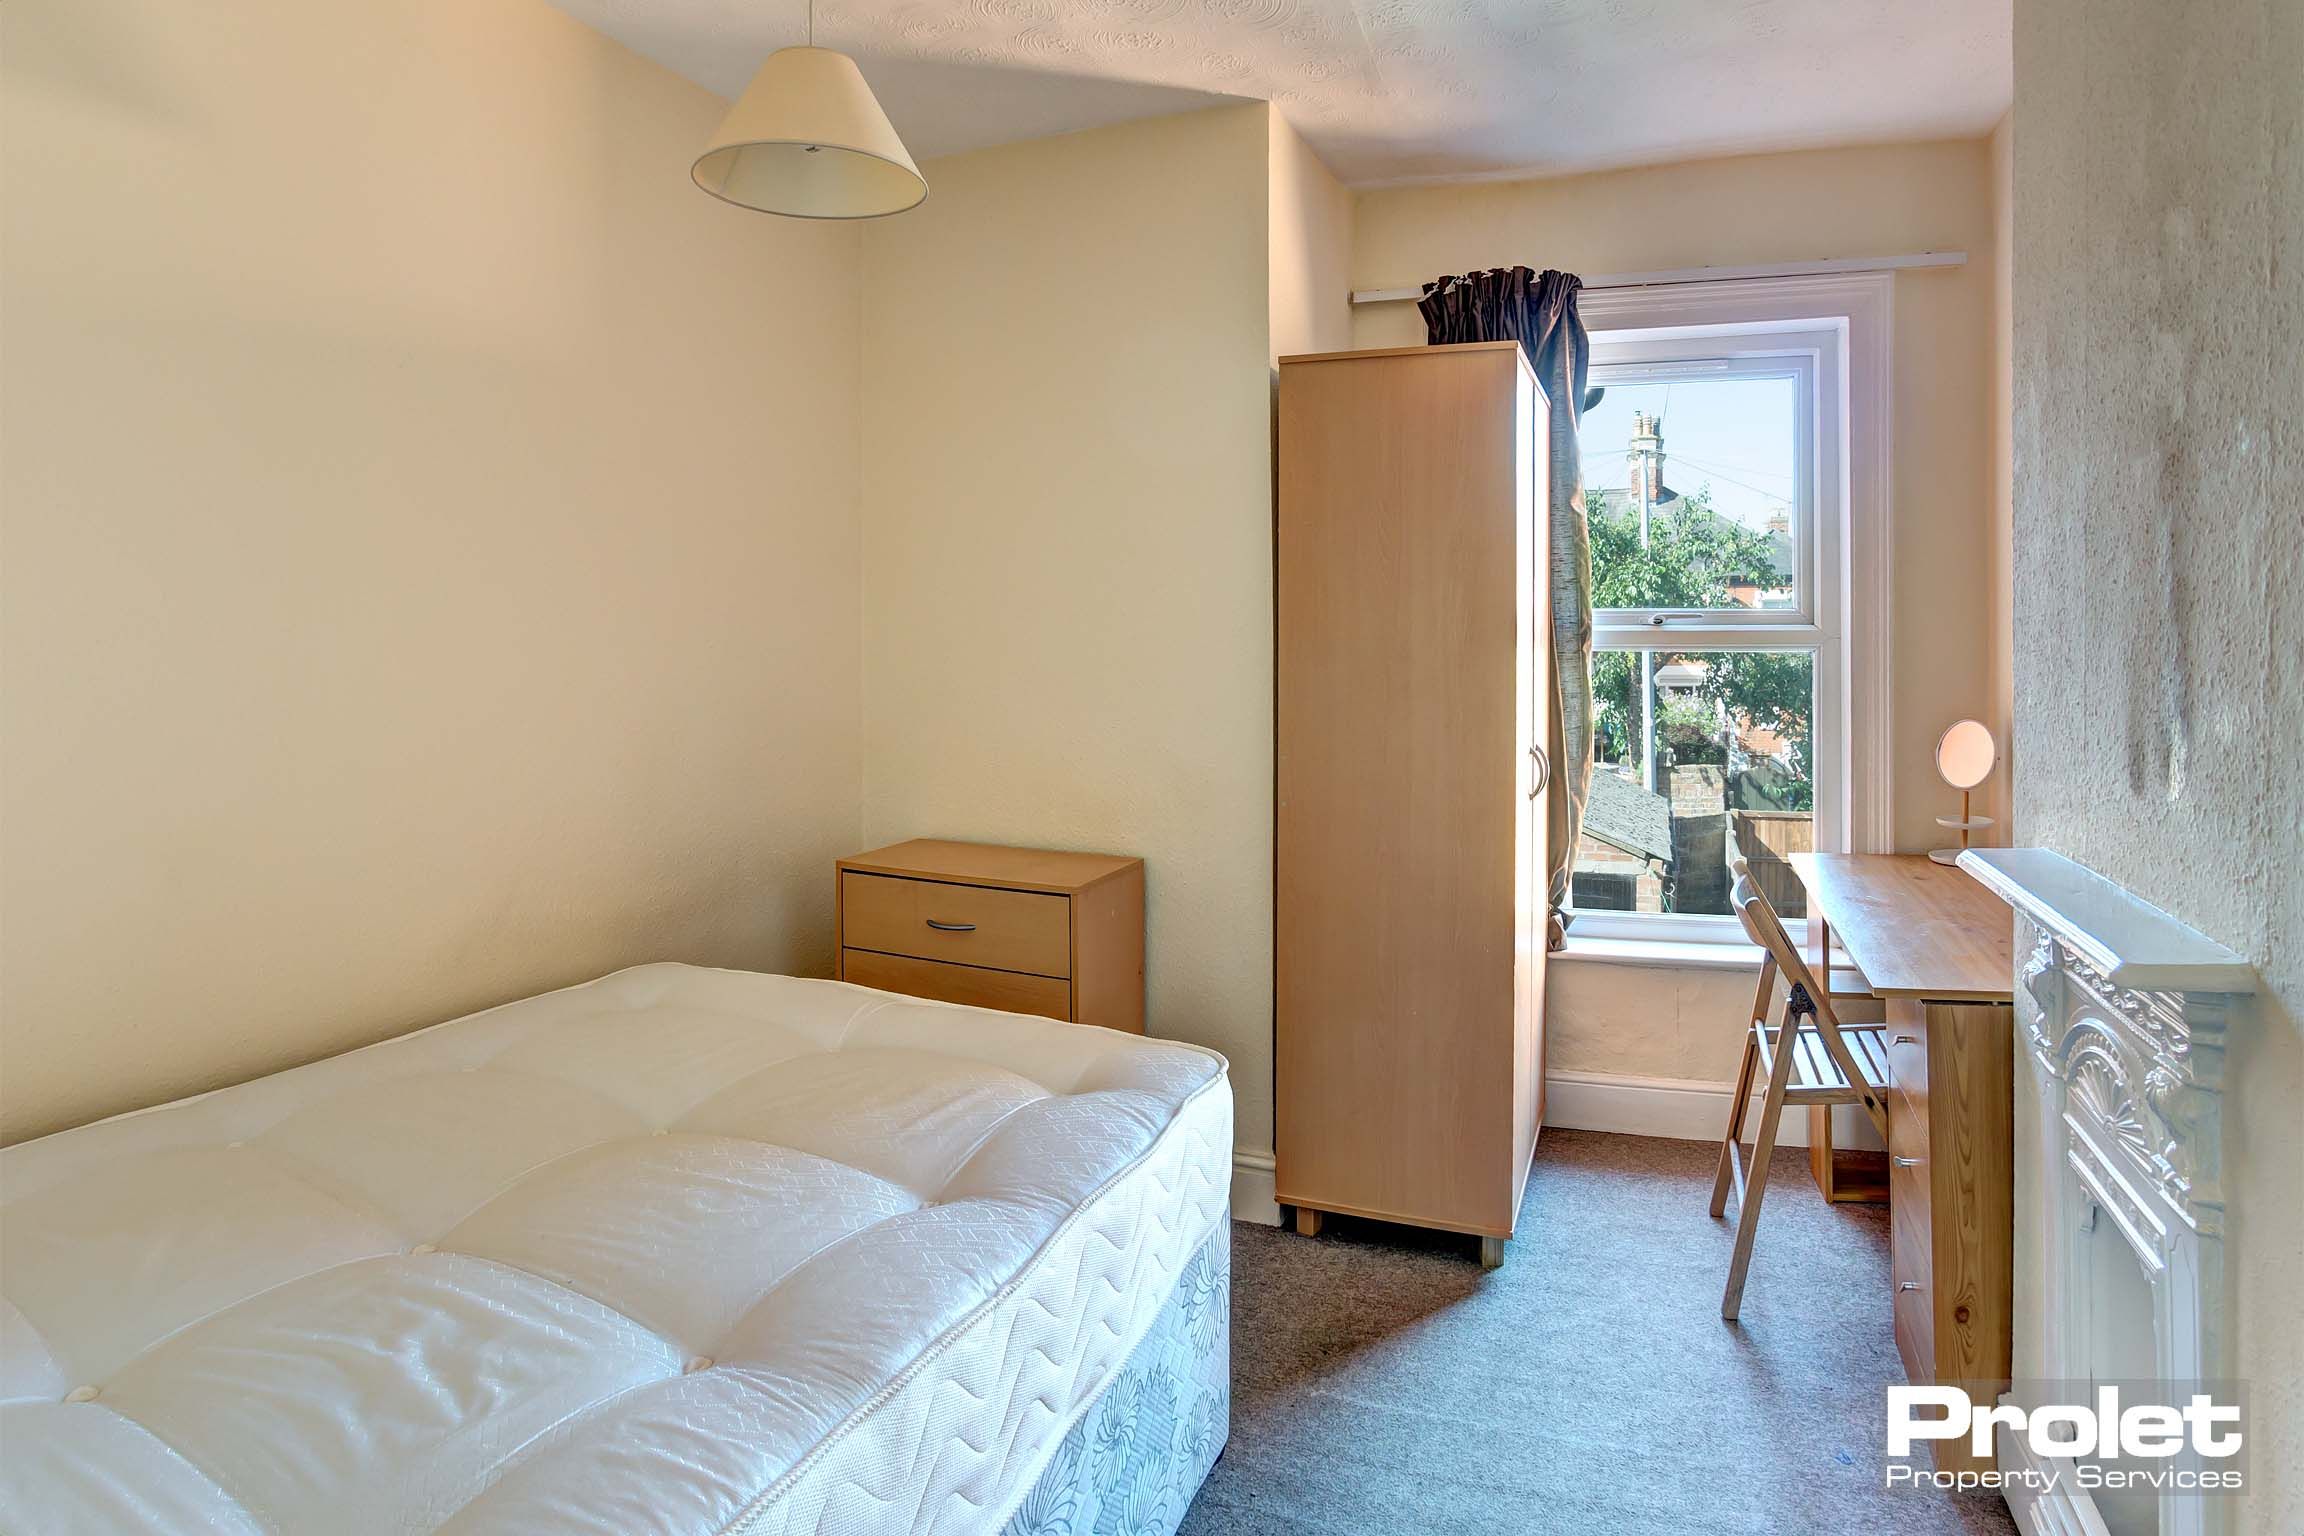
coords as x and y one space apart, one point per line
2133 945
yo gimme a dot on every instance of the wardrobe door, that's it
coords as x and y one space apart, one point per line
1537 707
1401 820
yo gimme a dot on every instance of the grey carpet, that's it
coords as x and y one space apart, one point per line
1383 1383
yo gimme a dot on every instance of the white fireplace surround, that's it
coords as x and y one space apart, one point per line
2122 1016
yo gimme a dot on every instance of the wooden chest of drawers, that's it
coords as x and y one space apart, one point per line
1950 1201
1025 930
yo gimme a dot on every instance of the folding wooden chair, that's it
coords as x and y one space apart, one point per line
1809 1058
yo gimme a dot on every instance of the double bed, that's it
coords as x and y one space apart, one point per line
678 1251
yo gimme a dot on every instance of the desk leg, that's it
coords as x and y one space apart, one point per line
1845 1177
1820 1116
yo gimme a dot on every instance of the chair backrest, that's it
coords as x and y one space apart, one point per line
1762 926
1761 923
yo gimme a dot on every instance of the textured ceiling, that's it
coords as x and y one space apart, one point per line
1387 89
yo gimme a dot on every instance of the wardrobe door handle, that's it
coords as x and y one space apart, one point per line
1905 1040
951 927
1905 1162
1543 771
1907 1285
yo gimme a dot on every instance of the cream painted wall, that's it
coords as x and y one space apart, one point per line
1067 536
2159 388
1662 1021
429 546
1310 248
1666 1021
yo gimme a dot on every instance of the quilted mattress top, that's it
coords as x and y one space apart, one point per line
679 1250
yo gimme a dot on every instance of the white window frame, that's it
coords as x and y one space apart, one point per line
1839 327
1810 357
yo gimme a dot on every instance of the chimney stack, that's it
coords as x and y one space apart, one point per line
1644 459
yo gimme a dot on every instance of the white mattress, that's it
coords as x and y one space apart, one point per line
677 1251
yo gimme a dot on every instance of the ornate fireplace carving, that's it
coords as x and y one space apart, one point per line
2123 1014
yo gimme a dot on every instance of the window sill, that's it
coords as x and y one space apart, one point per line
1697 955
1675 954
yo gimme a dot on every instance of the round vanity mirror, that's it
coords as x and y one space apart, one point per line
1965 754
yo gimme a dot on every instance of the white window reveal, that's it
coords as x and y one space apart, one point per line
1734 470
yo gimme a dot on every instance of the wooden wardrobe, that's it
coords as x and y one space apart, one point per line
1414 684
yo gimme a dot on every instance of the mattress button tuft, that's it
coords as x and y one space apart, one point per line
82 1394
699 1363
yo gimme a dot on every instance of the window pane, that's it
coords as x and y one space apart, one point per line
1698 754
1692 491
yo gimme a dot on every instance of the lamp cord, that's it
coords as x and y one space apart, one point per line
811 23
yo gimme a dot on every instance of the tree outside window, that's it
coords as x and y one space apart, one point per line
1696 559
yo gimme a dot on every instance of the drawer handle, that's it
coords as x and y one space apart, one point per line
1907 1285
1905 1040
951 927
1905 1162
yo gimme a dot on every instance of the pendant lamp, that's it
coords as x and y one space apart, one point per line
808 140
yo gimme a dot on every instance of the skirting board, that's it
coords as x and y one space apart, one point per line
1252 1199
1672 1107
2058 1511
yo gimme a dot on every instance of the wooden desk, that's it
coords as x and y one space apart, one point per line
1940 950
1914 927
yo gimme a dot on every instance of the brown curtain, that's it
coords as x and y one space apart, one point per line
1538 310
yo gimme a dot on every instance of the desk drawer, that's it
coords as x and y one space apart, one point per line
1915 1319
1906 1034
1912 1271
967 924
1912 1235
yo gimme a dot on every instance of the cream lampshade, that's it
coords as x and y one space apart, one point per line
1965 754
808 139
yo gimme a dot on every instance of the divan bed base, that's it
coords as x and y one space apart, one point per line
1132 1461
